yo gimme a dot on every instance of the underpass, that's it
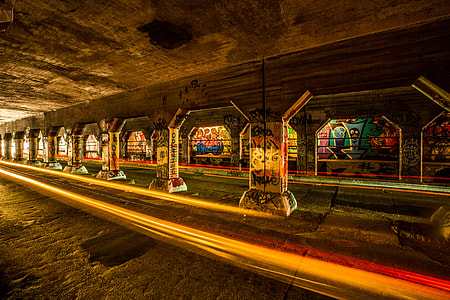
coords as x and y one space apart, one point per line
341 235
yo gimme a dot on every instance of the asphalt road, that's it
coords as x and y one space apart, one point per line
50 250
68 248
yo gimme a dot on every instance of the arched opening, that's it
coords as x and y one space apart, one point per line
136 145
211 145
363 147
91 146
436 149
62 146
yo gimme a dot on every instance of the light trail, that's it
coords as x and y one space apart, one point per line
150 193
403 190
325 277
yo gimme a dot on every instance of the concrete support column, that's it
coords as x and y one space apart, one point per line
19 143
8 139
52 149
1 147
33 147
75 151
45 149
268 170
410 155
110 151
185 157
167 175
52 141
235 147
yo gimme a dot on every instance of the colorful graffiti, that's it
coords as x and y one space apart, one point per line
114 151
268 155
173 152
436 139
91 146
162 155
62 146
136 143
368 139
52 142
214 140
292 142
77 148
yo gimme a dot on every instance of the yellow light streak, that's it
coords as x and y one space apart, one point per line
320 276
150 193
373 188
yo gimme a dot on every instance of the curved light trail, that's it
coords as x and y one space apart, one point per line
150 193
325 277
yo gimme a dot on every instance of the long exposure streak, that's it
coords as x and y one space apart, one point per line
324 277
150 193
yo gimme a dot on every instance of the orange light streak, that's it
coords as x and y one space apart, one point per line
150 193
311 273
373 188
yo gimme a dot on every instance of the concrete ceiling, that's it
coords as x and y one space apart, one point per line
59 53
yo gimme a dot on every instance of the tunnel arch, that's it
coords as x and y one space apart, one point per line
435 147
359 147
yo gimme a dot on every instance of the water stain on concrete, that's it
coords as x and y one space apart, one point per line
117 246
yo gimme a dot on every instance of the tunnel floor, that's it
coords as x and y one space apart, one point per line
50 248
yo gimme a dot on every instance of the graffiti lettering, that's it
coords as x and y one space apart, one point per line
405 116
259 131
265 180
261 198
260 115
179 119
231 121
301 120
368 112
411 151
193 91
173 153
270 160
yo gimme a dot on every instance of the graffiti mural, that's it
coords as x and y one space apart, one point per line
62 146
52 142
173 153
77 149
214 141
268 153
136 143
367 139
162 155
114 151
436 139
91 146
292 141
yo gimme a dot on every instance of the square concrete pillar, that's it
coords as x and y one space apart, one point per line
167 175
268 170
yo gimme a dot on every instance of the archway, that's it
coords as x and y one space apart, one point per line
363 147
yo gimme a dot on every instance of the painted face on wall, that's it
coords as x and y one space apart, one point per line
354 134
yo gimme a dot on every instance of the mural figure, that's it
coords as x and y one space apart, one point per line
211 140
369 138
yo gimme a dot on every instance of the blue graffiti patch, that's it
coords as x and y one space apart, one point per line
201 149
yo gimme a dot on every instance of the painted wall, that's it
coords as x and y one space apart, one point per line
211 141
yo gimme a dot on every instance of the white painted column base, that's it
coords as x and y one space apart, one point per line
53 166
111 175
77 169
274 203
168 185
441 220
20 161
36 163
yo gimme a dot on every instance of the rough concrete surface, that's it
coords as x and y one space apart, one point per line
51 251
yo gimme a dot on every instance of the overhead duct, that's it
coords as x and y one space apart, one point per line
6 14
